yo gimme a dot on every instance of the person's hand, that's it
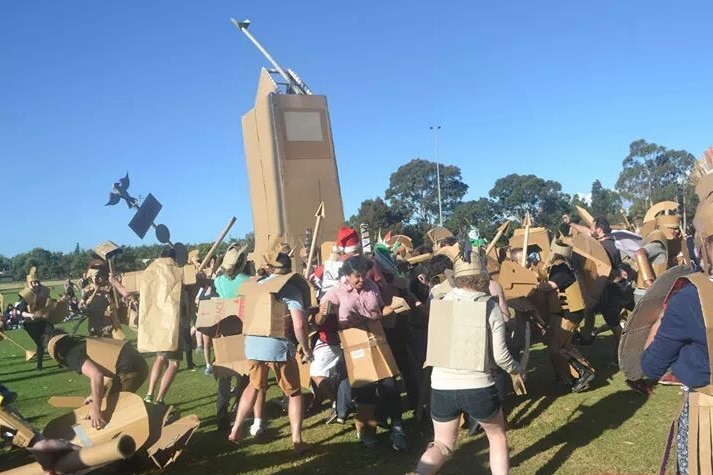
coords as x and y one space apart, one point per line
388 310
518 383
96 417
87 400
648 283
323 307
307 357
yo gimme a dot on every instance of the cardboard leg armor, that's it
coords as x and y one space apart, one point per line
365 420
21 432
700 449
564 351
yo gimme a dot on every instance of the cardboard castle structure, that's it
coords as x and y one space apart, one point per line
290 158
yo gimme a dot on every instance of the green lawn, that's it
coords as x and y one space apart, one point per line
608 430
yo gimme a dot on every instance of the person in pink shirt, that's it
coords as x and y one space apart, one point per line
355 300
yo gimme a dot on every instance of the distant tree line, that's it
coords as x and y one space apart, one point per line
650 173
58 265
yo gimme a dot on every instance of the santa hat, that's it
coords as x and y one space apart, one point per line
347 239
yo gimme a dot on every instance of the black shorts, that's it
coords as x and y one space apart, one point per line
481 404
171 355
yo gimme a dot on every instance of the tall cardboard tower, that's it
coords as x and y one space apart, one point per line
290 156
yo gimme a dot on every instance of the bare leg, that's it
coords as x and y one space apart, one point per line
247 401
499 457
168 376
436 454
259 405
206 349
294 412
156 371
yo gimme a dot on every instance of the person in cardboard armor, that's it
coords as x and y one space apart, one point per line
355 301
681 339
111 365
227 285
278 354
97 302
566 361
34 302
456 391
661 251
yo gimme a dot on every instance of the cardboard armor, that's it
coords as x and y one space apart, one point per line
161 290
264 314
595 268
367 354
22 432
571 299
458 335
41 305
104 352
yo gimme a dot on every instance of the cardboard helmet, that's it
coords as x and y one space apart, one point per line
670 221
51 345
33 275
234 257
561 249
438 234
107 250
476 266
384 259
194 257
281 262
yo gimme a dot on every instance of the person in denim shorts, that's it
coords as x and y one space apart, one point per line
457 391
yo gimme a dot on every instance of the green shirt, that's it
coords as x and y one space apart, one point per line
228 288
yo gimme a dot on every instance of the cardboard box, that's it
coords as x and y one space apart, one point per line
131 280
458 335
264 314
367 355
230 354
212 311
189 275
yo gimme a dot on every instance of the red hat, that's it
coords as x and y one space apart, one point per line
347 239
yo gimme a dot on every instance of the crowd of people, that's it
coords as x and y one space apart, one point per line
401 293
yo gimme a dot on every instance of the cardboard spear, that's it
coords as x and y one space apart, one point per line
28 354
498 235
217 242
527 222
319 215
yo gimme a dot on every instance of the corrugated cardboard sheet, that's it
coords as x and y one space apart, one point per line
458 335
367 355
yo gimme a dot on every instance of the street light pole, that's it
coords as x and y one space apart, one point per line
435 129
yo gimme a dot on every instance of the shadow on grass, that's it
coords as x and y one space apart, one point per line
591 422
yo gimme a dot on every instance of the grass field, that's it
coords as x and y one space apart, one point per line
608 430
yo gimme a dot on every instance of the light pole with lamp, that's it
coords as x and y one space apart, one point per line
435 129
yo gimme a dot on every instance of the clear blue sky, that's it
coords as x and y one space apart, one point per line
89 90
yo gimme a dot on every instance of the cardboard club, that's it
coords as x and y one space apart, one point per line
367 355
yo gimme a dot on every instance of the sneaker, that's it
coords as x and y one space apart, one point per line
398 439
148 399
582 383
331 417
670 379
208 370
341 420
301 448
256 430
369 440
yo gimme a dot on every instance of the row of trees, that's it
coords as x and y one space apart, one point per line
58 265
651 173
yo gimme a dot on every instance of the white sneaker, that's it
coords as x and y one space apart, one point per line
256 430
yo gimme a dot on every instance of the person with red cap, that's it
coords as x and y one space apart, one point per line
347 245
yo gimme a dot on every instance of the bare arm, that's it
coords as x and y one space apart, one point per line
580 228
299 324
496 290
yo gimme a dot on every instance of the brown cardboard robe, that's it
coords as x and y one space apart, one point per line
367 355
263 314
160 309
458 335
291 164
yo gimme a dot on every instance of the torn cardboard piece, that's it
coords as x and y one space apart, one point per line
367 354
230 356
174 438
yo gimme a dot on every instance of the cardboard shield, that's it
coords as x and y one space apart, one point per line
125 412
595 267
516 281
538 239
646 312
